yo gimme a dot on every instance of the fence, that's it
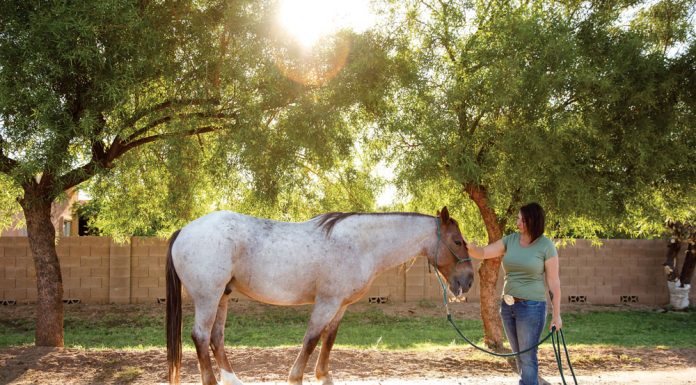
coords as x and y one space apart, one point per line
98 270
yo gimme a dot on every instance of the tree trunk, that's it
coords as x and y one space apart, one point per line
688 266
670 264
49 282
488 272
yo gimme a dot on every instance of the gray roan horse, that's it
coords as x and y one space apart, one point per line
330 261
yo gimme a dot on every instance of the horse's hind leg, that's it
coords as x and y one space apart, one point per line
206 311
327 340
321 316
217 343
217 338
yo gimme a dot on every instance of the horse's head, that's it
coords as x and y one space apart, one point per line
452 257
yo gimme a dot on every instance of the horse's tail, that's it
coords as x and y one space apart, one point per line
173 316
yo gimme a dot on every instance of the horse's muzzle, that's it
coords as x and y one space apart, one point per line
461 284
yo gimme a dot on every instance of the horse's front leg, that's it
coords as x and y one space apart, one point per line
327 341
322 314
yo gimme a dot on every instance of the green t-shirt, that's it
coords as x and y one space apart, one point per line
524 266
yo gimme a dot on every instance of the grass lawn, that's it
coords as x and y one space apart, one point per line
142 327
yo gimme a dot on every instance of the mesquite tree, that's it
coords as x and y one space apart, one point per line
88 88
582 106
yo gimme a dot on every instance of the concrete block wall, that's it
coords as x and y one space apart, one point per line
85 265
17 274
148 263
98 270
415 281
85 268
619 268
120 273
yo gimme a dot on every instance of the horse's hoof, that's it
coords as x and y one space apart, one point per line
327 380
229 378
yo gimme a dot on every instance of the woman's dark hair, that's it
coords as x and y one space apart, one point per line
534 219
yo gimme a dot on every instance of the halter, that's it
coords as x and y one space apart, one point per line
437 249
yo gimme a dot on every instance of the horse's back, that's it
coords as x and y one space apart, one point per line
223 247
283 263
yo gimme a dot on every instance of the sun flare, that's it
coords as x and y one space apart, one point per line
307 21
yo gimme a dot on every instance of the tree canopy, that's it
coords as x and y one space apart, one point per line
579 106
584 108
136 88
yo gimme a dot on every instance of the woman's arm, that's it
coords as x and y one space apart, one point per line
554 283
494 250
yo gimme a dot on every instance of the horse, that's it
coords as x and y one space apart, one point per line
330 260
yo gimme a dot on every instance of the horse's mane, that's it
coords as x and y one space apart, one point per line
329 220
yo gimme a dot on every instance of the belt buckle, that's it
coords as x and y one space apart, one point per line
510 300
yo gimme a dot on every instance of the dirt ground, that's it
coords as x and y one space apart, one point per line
465 366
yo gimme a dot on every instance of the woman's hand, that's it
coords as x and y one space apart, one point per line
556 321
495 249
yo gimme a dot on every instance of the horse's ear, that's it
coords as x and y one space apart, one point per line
444 215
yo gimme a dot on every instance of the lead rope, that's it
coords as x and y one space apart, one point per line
556 335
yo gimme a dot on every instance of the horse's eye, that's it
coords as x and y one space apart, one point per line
458 243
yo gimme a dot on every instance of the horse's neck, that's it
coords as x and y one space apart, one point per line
397 239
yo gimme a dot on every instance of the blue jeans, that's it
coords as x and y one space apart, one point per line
524 322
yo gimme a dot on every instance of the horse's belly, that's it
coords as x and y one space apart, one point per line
276 293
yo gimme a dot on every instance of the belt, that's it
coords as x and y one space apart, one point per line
510 300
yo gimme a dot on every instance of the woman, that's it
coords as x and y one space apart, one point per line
529 259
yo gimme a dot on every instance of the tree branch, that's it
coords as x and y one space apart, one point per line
565 104
7 164
166 119
446 38
149 139
483 150
475 123
168 104
78 175
104 159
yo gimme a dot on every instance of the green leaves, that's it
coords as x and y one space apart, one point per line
543 101
182 108
8 201
665 24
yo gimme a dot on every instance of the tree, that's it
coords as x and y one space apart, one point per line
680 233
85 87
559 103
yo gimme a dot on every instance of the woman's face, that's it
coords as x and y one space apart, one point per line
520 223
